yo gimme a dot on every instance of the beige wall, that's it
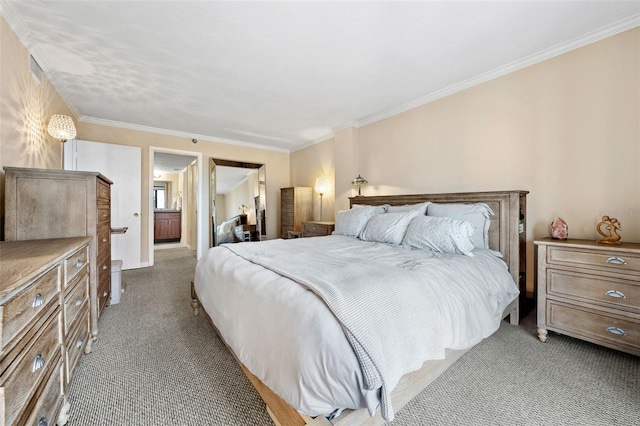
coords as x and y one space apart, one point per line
566 129
25 109
277 166
311 163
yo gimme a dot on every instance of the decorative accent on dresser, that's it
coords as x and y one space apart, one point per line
612 226
43 203
317 229
559 229
590 291
44 309
295 208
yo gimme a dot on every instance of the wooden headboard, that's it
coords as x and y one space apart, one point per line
507 233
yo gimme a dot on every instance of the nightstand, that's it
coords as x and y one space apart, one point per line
246 233
317 229
590 291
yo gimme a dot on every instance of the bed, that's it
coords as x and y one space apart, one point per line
225 232
324 360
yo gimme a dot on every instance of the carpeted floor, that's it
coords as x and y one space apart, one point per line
155 363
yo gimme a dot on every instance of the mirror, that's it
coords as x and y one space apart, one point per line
238 201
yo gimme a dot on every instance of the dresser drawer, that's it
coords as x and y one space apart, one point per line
75 263
22 309
104 293
77 341
613 292
104 214
606 259
30 369
104 240
103 190
50 401
75 301
104 267
615 331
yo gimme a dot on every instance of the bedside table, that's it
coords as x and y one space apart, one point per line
590 291
317 229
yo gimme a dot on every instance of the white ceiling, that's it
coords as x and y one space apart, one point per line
170 163
282 75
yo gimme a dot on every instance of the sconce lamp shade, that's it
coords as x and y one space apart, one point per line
61 127
323 185
359 181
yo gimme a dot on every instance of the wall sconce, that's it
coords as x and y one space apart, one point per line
359 181
243 208
323 185
61 127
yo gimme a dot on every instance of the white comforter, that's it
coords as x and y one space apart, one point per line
286 335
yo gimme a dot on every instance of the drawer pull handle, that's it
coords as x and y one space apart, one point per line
617 331
38 301
616 293
43 422
79 301
105 294
104 267
79 263
38 363
616 260
104 240
104 214
79 342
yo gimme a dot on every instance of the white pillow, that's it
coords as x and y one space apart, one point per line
384 206
352 222
420 207
388 228
441 234
478 214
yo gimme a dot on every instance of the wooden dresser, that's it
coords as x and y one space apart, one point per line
317 229
44 307
590 291
295 208
43 203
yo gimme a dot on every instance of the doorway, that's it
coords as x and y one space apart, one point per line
175 190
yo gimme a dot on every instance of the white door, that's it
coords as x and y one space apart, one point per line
123 165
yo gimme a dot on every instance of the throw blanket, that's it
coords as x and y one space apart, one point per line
388 312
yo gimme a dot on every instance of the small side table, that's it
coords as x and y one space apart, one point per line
317 229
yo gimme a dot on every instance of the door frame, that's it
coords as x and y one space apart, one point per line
199 197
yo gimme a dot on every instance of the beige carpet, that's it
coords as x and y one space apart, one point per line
156 364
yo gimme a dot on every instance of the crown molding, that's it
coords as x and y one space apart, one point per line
148 129
313 142
597 35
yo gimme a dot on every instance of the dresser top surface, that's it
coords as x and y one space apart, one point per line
588 244
53 173
20 261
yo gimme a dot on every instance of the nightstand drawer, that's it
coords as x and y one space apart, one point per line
613 292
317 229
608 259
618 332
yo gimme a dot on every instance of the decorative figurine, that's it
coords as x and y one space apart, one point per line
612 226
559 229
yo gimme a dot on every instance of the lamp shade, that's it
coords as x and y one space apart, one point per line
323 185
61 127
359 181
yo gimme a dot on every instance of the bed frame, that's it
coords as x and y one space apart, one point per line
506 235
